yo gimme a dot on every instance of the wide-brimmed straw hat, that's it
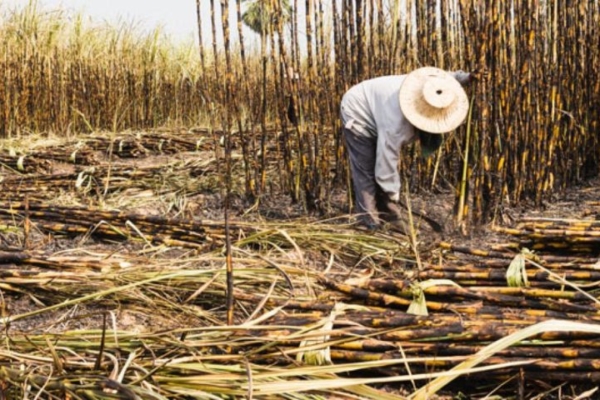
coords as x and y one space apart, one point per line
433 100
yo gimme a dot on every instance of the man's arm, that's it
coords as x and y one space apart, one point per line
386 164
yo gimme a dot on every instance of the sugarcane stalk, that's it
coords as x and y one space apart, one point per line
579 366
476 252
462 198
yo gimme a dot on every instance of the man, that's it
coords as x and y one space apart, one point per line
381 115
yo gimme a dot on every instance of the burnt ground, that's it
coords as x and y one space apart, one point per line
184 185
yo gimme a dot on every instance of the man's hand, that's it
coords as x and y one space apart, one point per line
394 198
464 78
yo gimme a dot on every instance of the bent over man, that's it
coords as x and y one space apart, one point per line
381 115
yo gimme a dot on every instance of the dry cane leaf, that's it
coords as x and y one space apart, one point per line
362 279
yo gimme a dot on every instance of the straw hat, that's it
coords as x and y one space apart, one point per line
433 101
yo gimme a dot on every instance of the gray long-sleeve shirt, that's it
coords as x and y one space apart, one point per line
372 109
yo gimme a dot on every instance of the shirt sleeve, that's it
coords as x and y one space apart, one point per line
386 165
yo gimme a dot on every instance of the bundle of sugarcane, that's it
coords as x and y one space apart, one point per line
456 332
38 186
170 143
162 284
473 276
490 268
249 239
560 234
116 225
125 146
111 178
27 164
45 186
69 154
142 144
450 297
460 321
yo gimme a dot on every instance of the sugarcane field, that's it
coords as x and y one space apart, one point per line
348 199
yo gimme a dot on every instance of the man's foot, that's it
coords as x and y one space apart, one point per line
372 226
391 212
369 223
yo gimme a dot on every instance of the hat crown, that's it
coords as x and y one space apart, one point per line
437 93
432 100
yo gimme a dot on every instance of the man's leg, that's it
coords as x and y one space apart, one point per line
388 210
361 153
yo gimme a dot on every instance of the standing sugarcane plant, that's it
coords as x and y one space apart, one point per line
535 115
261 16
248 143
232 105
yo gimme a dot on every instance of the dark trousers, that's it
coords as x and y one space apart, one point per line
370 201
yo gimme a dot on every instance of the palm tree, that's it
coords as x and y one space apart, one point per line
260 13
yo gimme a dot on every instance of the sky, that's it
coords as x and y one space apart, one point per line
176 17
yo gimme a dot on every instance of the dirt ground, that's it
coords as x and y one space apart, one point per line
206 203
150 184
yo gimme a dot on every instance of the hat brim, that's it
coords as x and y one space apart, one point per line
422 114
